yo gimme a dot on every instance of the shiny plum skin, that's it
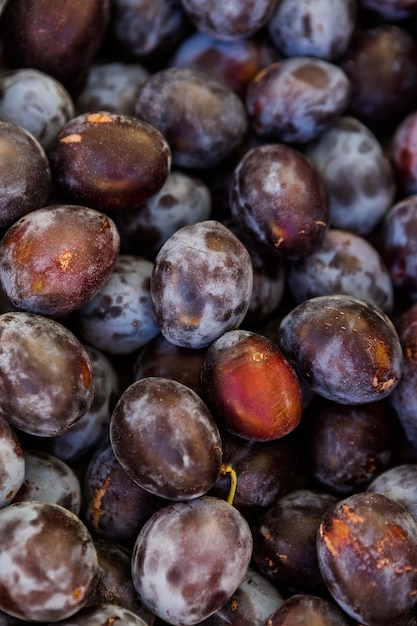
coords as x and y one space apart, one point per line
55 259
202 119
59 41
321 29
233 62
254 391
201 284
346 263
358 175
109 162
397 245
37 102
284 538
78 442
270 205
333 339
302 608
230 21
37 398
119 318
347 445
380 63
294 100
25 173
166 439
48 562
216 542
367 553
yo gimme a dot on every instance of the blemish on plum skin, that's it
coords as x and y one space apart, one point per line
99 118
73 138
64 260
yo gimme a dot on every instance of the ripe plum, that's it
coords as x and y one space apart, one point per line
253 389
55 259
48 562
166 439
295 99
202 119
334 339
346 263
201 284
36 397
12 463
189 558
108 161
25 173
367 553
279 199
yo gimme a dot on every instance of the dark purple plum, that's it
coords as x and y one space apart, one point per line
347 445
233 62
344 349
358 175
162 358
45 374
48 562
25 173
321 29
201 284
303 608
108 161
295 99
202 119
166 439
380 63
102 614
346 263
284 538
144 29
264 472
231 20
114 581
279 200
403 400
114 506
59 39
56 258
367 553
189 558
397 245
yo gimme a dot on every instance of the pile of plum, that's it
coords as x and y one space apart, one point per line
208 312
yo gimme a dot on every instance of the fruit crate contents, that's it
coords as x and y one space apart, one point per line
208 312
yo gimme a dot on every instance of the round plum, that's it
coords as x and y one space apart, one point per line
189 558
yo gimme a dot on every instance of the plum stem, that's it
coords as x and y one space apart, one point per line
228 469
